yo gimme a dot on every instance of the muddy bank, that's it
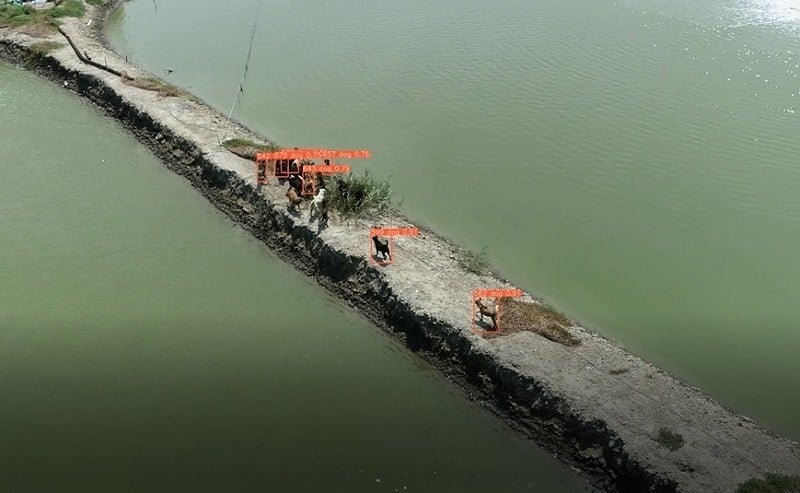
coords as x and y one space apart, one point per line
596 406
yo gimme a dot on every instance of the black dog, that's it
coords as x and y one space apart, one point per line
297 183
382 247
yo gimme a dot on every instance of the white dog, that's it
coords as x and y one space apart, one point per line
316 204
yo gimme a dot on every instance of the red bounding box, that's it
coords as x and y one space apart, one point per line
394 232
497 293
281 168
327 169
379 247
318 154
264 168
309 185
310 172
485 304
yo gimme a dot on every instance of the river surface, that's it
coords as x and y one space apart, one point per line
148 345
633 162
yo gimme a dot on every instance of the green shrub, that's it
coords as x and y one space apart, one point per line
68 8
360 195
15 15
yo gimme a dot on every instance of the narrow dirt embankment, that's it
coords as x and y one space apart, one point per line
627 425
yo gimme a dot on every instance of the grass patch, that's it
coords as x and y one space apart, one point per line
157 85
475 262
68 8
360 195
19 15
772 483
668 439
247 148
517 316
39 22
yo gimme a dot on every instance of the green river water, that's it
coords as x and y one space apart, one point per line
146 344
633 162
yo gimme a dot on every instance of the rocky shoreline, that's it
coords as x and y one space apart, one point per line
599 408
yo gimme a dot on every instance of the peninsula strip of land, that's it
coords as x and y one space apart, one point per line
623 423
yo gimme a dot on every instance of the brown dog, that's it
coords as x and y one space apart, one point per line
489 309
294 199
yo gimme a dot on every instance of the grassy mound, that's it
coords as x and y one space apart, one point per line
516 316
247 148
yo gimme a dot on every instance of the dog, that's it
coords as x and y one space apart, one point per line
488 309
317 204
294 199
382 247
320 181
296 182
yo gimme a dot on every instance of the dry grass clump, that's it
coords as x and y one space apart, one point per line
39 27
247 148
516 316
157 85
43 47
40 49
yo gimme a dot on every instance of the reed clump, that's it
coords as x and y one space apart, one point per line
359 196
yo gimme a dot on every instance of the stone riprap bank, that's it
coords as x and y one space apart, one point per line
596 406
